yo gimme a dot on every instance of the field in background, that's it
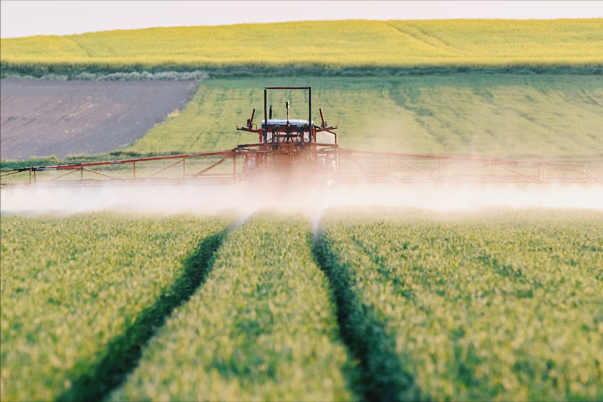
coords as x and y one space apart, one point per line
44 117
551 117
324 44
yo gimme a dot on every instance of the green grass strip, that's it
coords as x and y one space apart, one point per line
261 328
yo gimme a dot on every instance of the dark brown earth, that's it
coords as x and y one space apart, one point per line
60 118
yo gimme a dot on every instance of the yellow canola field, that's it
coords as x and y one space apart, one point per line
333 44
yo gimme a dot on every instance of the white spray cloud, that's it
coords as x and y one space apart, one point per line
250 197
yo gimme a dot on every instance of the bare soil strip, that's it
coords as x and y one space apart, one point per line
61 118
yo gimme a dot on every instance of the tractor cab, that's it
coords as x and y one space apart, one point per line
286 145
286 129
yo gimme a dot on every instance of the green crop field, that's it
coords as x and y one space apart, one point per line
551 117
400 304
327 44
77 289
262 327
507 307
377 304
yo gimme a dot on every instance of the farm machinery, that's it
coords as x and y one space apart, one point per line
297 150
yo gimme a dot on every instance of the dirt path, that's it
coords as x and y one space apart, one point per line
43 118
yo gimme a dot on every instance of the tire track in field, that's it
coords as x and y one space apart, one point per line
383 377
428 39
124 351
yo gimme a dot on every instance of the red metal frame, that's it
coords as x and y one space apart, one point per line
346 166
461 169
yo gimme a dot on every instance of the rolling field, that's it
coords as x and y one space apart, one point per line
551 117
324 44
401 305
493 108
347 304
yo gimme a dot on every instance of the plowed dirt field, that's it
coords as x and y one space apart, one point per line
43 118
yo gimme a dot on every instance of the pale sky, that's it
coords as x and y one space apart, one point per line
27 18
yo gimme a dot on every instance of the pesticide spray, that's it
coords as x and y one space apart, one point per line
247 199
